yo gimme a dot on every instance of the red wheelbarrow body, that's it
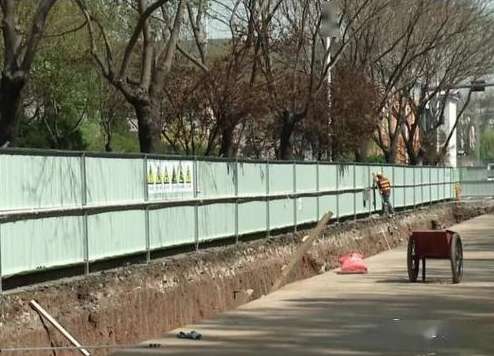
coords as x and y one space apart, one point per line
435 244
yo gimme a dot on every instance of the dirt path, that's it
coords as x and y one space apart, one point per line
380 313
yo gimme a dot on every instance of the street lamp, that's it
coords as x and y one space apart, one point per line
329 30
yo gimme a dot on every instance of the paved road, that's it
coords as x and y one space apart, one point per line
376 314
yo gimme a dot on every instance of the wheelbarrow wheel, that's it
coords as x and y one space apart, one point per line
412 261
456 258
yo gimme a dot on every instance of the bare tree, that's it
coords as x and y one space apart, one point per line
468 54
291 58
140 72
416 59
19 50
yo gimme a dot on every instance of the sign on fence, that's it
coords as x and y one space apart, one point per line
169 177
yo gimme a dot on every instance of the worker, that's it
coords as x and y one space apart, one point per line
384 186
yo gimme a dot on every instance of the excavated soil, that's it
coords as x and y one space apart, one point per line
141 302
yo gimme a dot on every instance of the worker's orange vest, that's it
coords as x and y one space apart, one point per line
384 185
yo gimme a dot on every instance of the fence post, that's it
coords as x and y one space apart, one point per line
451 185
370 195
337 192
421 186
318 190
295 199
1 275
430 186
393 183
444 183
268 223
236 201
146 210
414 189
354 191
195 187
85 232
404 187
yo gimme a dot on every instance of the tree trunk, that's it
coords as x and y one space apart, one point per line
108 146
149 130
226 148
362 153
288 122
10 99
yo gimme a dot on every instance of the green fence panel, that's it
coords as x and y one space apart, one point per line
251 178
436 179
216 221
115 234
346 205
363 181
474 174
479 189
35 182
216 179
281 178
327 203
417 191
400 180
327 176
171 226
429 187
445 183
281 213
476 182
409 190
114 180
306 210
306 178
252 217
345 173
41 243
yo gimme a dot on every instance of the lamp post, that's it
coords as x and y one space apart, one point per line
330 29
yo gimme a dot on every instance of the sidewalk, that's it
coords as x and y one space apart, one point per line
376 314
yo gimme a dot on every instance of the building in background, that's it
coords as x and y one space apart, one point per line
448 129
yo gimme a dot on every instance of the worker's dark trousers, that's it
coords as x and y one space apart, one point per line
387 207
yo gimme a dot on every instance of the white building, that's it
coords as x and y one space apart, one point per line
450 117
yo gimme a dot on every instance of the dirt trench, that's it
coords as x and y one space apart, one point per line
141 302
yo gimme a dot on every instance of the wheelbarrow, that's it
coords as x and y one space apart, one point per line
434 244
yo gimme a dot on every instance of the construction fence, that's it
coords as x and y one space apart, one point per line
75 208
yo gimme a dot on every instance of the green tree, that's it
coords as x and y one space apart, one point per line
487 145
23 24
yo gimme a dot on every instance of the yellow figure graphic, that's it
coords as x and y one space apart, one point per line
174 176
166 177
188 177
181 179
157 179
151 176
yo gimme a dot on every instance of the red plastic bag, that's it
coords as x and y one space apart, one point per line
352 264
